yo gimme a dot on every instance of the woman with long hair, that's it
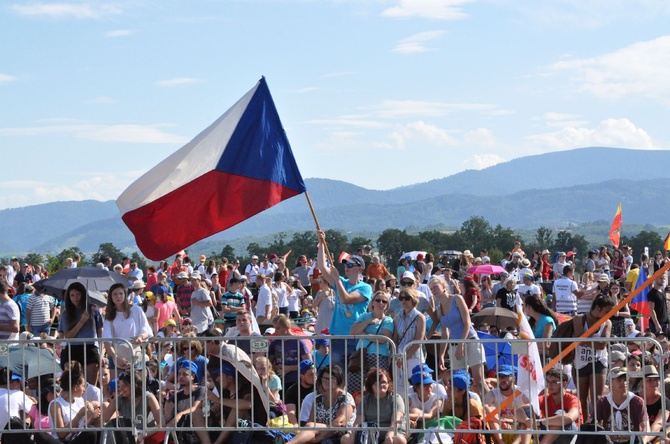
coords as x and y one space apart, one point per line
487 297
618 266
591 359
69 410
603 260
452 314
380 405
544 319
79 320
471 296
333 407
428 268
462 405
124 321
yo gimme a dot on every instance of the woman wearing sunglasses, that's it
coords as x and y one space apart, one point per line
410 325
374 322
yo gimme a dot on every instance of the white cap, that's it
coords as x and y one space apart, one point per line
408 275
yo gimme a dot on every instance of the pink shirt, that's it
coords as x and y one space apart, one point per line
164 311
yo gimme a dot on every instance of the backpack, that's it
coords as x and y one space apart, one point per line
463 434
571 328
370 434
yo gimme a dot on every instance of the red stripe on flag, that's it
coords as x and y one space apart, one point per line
207 205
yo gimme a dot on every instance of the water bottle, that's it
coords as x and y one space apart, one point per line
139 425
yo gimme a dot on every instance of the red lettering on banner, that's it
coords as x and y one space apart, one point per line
527 363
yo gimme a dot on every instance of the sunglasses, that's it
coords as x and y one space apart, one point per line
404 298
381 301
406 283
350 265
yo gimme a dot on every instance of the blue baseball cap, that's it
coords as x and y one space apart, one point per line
423 367
422 378
112 385
461 380
217 365
506 370
192 366
322 342
305 365
16 377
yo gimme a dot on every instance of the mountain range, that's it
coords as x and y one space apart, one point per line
554 190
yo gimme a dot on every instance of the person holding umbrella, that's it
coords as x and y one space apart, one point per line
80 320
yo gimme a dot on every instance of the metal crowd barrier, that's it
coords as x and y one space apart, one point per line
33 358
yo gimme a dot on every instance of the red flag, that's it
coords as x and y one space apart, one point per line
239 166
615 231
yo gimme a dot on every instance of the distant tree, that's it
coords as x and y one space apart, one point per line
33 259
358 242
105 250
253 248
56 263
228 252
565 241
391 245
503 238
301 243
437 240
644 238
476 233
278 245
544 238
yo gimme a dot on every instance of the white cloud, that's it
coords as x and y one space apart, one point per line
350 122
178 81
481 161
306 89
589 14
409 108
415 43
562 120
419 134
428 9
641 69
66 10
119 33
479 138
95 185
620 133
100 133
6 78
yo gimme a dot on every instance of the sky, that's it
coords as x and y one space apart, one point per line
378 93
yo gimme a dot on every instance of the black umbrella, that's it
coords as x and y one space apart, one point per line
28 361
499 316
93 278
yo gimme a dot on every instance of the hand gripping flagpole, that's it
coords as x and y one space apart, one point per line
318 227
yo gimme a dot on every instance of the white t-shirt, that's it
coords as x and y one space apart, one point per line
127 328
11 404
9 311
201 315
294 301
264 299
525 290
92 393
307 406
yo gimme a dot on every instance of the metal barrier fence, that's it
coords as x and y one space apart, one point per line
160 397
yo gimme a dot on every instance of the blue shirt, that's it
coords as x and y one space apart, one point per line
22 301
345 315
538 331
382 348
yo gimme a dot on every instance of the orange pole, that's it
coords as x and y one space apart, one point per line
586 334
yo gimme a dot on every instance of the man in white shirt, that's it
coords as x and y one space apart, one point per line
558 266
264 303
9 314
14 404
566 293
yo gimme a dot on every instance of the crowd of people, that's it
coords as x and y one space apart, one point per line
164 334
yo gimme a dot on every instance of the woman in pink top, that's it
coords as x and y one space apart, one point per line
165 308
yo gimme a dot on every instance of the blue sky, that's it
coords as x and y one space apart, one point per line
379 93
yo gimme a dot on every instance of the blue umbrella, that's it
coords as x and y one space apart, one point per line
497 353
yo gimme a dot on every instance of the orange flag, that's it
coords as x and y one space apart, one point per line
615 231
666 245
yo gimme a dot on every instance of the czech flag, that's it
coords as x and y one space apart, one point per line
615 231
640 303
239 166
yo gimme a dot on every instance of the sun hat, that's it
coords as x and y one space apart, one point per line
603 278
196 275
617 356
408 275
138 284
525 263
650 371
182 275
203 257
389 277
545 251
617 372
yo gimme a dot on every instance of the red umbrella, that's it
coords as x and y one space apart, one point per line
486 269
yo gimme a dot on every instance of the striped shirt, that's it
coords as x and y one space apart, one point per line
9 312
40 309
